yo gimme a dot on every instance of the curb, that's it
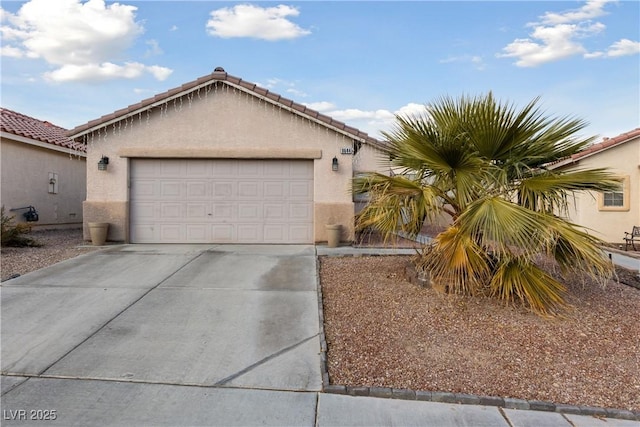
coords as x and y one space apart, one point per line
447 397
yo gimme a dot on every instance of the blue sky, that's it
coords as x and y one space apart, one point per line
72 61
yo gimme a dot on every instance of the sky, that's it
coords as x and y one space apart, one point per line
361 62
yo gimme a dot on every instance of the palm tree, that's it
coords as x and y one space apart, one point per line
482 163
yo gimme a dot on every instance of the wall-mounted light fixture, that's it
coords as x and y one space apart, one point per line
334 164
102 163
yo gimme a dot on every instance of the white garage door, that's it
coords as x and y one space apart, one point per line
221 201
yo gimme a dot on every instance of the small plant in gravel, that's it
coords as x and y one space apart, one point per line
483 164
15 234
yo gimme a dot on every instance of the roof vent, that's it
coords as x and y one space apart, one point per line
219 70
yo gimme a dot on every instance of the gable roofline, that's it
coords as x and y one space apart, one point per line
591 150
221 76
29 130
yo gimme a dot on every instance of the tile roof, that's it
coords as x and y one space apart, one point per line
38 130
607 143
599 147
219 75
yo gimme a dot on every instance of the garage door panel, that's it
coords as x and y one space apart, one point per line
300 170
197 233
278 169
198 190
275 233
171 211
223 212
274 212
171 190
198 168
172 169
300 190
144 188
221 201
249 233
198 211
143 233
275 190
249 190
145 211
249 212
224 169
224 190
172 233
250 168
299 211
299 234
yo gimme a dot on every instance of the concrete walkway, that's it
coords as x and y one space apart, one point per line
192 335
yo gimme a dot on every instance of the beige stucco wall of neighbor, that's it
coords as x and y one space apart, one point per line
221 122
25 182
610 225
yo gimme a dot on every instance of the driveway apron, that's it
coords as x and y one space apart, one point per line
219 317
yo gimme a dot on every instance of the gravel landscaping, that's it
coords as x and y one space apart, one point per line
382 331
57 245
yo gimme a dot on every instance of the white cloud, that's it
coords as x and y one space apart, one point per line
75 37
624 47
320 106
592 9
12 52
93 73
247 20
369 121
154 48
296 92
559 35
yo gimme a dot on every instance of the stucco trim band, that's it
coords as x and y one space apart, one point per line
220 153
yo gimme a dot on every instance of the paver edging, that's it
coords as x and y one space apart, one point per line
447 397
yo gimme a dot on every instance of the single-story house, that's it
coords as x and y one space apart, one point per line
609 215
43 172
222 160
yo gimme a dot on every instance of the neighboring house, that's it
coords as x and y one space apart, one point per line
609 215
41 168
221 160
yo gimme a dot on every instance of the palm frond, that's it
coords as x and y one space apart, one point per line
519 279
455 261
579 252
548 190
396 203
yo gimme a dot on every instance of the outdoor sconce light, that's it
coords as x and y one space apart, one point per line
102 164
334 164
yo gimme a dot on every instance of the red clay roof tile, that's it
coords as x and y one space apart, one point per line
32 128
607 143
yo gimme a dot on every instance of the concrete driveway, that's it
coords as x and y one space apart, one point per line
114 336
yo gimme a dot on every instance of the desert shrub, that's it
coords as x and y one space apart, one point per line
15 234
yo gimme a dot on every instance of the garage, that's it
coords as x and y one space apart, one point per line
221 201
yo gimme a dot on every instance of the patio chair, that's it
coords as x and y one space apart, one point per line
632 238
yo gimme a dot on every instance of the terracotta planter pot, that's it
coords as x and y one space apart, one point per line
333 232
98 232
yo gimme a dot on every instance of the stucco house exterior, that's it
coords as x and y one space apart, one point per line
41 168
609 215
222 160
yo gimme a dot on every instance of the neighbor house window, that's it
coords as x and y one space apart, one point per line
617 200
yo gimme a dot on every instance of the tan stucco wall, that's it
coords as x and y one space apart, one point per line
25 181
371 159
228 122
623 160
114 213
